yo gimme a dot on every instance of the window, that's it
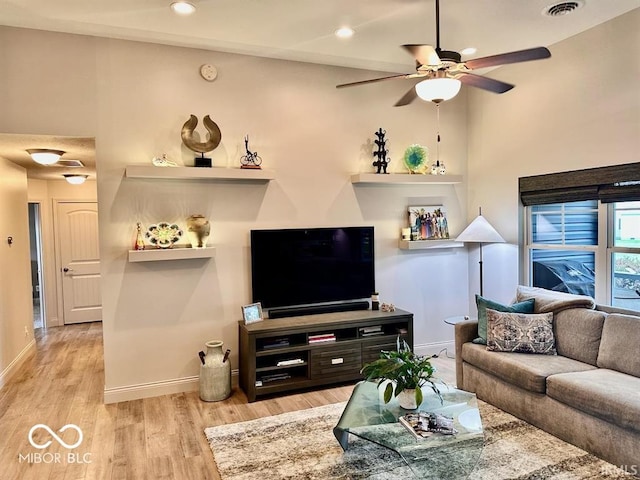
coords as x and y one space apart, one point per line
624 252
582 233
562 243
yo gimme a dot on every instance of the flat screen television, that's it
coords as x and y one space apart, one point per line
306 266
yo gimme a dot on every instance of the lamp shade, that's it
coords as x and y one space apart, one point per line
480 231
75 179
45 156
438 89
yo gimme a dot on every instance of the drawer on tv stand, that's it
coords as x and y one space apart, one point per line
335 360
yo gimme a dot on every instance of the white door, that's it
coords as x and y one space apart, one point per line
80 261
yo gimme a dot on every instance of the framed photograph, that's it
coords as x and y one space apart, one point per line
252 313
428 222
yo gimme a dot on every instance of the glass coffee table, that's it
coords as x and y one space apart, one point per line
439 456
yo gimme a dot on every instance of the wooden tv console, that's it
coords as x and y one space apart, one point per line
276 355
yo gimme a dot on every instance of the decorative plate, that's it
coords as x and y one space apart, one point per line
415 158
163 234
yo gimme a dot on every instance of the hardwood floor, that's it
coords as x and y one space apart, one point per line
154 438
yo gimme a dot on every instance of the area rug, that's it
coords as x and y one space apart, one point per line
301 446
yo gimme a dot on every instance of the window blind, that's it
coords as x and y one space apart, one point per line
616 183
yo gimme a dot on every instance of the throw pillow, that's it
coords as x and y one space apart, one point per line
520 332
482 303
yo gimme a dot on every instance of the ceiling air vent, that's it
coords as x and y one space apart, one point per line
69 163
562 8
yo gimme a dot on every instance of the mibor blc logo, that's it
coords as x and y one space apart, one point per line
45 457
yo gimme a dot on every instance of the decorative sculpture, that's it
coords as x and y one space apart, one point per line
212 142
250 159
381 154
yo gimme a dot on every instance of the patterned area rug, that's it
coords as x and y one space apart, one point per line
300 445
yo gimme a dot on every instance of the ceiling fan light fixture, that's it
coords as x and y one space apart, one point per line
438 89
75 179
45 156
183 8
468 51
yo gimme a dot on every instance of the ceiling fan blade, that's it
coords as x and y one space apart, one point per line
373 80
537 53
424 54
495 86
407 98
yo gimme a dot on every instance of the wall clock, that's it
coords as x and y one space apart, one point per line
208 72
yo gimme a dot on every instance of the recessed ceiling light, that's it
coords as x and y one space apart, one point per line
468 51
183 8
344 32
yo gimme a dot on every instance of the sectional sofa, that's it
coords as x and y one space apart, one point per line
588 394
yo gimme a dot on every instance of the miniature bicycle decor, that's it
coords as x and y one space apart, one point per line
250 159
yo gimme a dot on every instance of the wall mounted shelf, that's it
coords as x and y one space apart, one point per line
428 244
198 173
404 179
175 253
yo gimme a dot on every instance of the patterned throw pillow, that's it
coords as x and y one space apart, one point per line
520 332
482 303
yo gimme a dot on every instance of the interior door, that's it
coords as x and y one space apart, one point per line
80 261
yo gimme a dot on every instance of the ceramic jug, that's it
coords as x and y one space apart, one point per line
215 373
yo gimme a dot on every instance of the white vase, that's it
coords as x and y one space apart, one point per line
407 399
215 374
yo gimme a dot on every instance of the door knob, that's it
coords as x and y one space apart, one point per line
65 269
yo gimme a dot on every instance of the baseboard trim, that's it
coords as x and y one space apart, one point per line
11 369
154 389
436 348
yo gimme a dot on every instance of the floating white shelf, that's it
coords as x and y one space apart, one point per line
199 173
404 179
428 244
175 253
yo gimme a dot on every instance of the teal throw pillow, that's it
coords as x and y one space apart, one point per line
483 303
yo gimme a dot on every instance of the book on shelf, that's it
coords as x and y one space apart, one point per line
371 329
322 340
371 334
424 424
293 361
323 337
276 343
274 377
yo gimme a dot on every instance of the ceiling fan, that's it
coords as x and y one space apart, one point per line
441 71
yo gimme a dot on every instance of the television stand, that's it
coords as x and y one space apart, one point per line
286 354
315 309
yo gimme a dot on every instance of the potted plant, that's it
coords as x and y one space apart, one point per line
406 374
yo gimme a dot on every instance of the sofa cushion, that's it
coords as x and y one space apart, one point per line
620 344
520 332
522 369
603 393
578 332
552 301
484 303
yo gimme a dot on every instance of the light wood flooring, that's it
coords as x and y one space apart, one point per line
154 438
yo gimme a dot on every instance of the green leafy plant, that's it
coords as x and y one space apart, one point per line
404 369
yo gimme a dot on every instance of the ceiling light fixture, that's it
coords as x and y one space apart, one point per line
75 179
344 32
438 89
45 156
468 51
183 8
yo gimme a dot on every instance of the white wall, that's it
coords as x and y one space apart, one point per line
16 310
579 109
134 98
46 193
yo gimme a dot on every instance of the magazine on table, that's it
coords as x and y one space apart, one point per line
424 424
